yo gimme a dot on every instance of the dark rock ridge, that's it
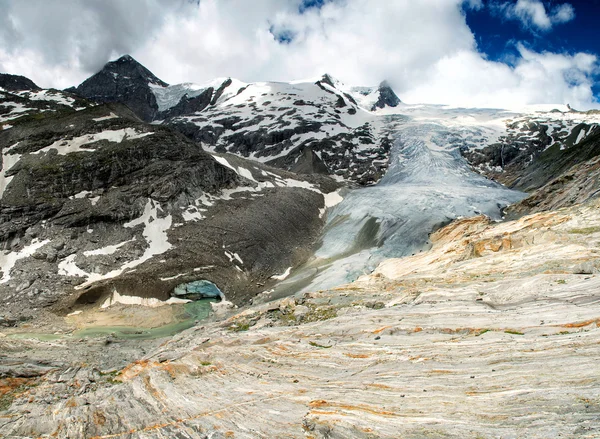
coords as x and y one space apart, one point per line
17 83
535 150
387 97
126 81
576 172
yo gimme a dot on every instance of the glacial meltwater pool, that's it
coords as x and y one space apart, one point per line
193 311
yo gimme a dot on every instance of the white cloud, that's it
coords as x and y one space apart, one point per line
533 13
425 48
537 78
563 13
474 4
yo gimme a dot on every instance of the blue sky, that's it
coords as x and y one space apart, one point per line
496 35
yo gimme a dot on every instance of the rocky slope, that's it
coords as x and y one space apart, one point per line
95 202
534 148
21 100
491 333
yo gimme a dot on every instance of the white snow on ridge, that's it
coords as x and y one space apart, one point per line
47 95
110 116
224 162
241 171
16 112
65 147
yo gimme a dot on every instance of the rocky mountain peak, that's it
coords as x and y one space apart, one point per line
127 81
17 83
387 97
328 79
128 66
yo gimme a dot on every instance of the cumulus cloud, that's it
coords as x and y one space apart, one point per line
424 48
534 15
55 40
563 13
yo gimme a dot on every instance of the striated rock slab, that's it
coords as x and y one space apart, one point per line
491 333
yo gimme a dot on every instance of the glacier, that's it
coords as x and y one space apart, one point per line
428 184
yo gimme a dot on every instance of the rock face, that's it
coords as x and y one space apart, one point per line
387 97
125 81
17 83
535 148
576 185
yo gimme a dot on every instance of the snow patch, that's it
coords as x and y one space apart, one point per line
110 116
164 279
149 302
224 162
9 259
233 256
8 161
155 233
580 137
282 276
108 250
331 199
65 147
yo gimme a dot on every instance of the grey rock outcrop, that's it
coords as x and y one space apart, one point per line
387 97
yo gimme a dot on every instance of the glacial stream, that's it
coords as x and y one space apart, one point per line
428 184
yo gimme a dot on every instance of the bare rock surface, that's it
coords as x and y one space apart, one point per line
488 334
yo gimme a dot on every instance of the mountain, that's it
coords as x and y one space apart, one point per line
314 126
298 259
317 126
96 201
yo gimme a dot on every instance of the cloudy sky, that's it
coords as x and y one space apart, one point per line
499 53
